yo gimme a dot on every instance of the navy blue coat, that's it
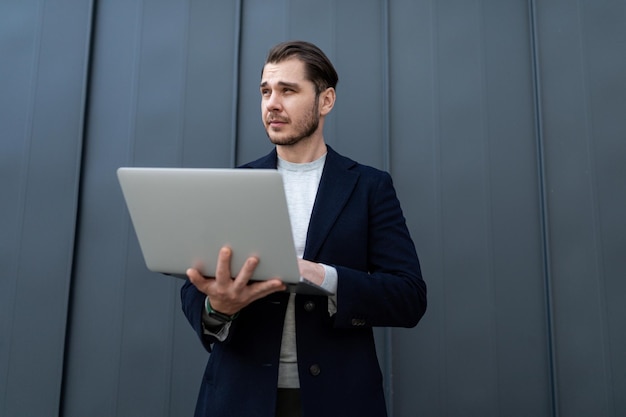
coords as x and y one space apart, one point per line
356 226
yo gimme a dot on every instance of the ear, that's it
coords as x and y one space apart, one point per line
327 101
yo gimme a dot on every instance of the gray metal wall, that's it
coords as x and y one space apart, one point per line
503 123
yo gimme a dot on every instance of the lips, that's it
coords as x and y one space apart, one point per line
274 122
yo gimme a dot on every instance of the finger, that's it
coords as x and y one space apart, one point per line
222 270
247 272
265 288
234 299
194 275
197 279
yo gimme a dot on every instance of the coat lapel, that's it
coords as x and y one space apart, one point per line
336 186
268 161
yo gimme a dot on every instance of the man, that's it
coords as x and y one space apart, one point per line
280 354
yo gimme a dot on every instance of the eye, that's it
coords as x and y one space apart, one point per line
265 92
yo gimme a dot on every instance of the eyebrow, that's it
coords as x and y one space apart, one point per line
281 84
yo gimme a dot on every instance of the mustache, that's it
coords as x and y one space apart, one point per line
273 118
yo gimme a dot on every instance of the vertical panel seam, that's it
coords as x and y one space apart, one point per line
386 150
236 79
386 84
184 75
543 206
87 76
332 131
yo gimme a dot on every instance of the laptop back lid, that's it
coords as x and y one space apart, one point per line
183 216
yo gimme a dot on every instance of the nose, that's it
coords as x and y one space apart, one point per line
272 102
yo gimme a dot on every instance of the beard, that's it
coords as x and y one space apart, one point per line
302 129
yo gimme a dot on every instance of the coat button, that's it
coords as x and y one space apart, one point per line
309 306
315 369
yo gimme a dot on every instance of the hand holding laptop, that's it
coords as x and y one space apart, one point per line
312 271
228 295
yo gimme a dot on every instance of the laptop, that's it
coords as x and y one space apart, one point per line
183 216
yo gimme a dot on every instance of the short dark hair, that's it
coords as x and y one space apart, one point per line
319 69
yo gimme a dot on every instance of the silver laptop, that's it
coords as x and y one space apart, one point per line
183 216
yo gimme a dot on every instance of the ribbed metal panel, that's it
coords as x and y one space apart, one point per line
43 67
502 123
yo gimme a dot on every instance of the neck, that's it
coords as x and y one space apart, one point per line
304 151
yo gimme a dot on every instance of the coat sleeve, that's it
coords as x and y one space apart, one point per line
386 287
192 302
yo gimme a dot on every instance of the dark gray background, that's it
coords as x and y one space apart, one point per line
503 123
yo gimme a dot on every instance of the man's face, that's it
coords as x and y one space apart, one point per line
289 105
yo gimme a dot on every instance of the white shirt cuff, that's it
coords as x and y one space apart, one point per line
330 284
